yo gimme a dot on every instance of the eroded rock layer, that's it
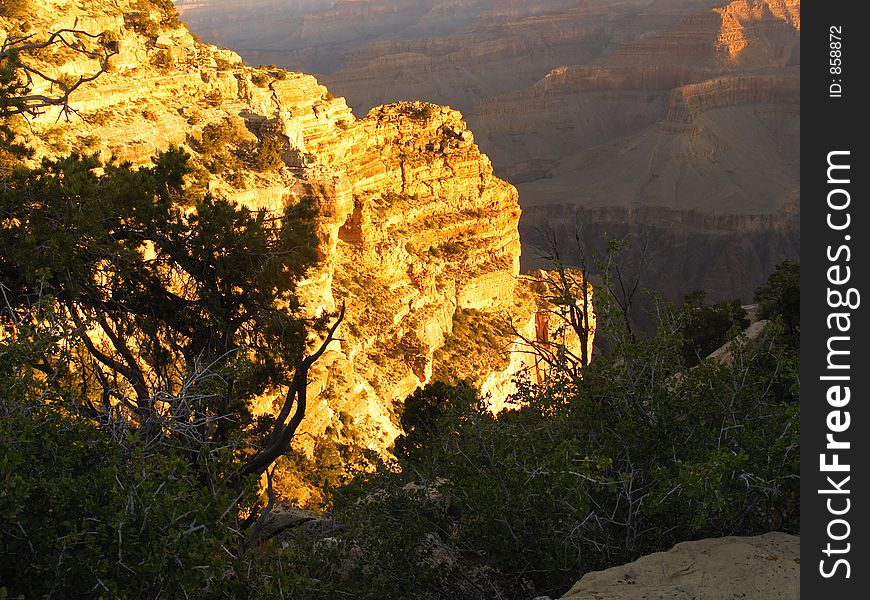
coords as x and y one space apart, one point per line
702 117
415 233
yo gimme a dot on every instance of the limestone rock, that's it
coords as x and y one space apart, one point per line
757 327
764 567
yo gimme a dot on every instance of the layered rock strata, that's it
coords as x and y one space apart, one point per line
687 105
415 233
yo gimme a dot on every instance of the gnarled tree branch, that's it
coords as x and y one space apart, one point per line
20 76
281 435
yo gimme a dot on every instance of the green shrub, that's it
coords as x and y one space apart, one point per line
101 497
168 13
269 155
86 144
419 111
227 165
140 22
110 40
780 296
707 326
99 117
260 79
428 414
84 516
215 137
139 19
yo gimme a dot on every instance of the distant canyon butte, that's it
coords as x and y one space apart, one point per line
673 123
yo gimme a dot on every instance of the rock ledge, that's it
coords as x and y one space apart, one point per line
764 567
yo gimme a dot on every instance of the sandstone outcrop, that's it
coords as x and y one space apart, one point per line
415 232
764 567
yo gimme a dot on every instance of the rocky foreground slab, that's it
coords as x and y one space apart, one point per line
764 567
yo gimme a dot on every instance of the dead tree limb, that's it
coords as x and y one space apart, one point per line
17 78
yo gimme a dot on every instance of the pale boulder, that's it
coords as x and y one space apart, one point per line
764 567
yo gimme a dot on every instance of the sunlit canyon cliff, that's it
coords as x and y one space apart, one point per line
416 234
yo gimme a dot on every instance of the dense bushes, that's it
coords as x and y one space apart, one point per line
83 516
124 453
268 155
260 79
222 153
139 318
418 111
639 454
96 509
140 19
86 515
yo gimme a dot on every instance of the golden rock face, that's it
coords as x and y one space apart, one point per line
415 233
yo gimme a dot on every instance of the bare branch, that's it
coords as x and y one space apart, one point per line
22 101
279 439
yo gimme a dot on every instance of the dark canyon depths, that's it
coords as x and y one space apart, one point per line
675 123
